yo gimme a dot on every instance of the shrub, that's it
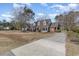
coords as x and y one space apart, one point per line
58 31
76 29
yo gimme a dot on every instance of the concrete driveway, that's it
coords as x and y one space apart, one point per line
51 46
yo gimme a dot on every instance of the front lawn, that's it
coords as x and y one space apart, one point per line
13 39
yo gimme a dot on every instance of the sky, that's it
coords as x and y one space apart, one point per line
49 10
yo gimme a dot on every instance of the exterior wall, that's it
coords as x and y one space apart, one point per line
52 29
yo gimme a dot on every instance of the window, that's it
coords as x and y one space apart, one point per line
45 29
44 23
38 23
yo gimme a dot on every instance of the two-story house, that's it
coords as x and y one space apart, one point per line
44 25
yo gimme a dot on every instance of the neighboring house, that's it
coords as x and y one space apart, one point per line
6 28
29 27
53 27
25 27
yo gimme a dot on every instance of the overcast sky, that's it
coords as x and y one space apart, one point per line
41 9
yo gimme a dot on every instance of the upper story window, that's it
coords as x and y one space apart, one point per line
38 23
44 22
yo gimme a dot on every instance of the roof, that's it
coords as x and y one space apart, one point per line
53 24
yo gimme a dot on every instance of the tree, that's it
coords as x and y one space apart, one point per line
12 25
69 20
60 21
28 15
4 22
66 20
23 17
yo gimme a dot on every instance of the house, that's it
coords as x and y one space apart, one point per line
45 25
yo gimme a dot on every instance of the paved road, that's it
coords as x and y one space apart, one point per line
51 46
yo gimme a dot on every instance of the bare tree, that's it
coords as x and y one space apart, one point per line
23 16
66 20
